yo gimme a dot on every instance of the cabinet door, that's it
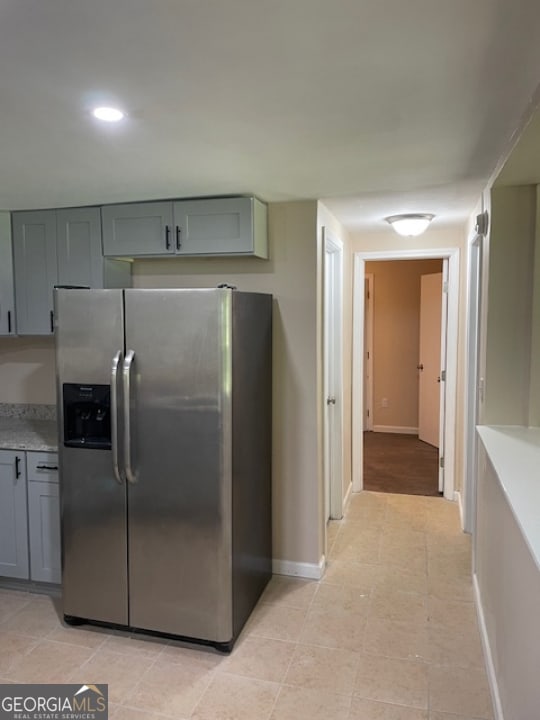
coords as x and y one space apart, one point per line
137 229
13 517
221 226
7 303
44 525
36 272
79 247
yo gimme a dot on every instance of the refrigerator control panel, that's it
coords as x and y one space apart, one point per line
87 416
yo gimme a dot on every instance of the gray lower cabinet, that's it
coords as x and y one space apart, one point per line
232 226
29 516
13 515
7 298
58 247
43 517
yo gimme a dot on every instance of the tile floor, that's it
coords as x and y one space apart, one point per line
390 633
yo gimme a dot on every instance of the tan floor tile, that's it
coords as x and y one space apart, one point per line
396 639
170 689
49 662
344 599
125 713
278 622
403 537
332 528
319 668
38 618
11 602
396 605
334 629
370 710
458 647
363 576
447 716
449 565
460 691
190 654
455 588
363 548
415 559
121 672
295 702
393 578
12 648
143 645
370 500
230 697
89 637
458 616
402 682
405 519
289 591
260 658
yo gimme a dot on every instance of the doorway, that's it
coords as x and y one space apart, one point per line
448 383
405 307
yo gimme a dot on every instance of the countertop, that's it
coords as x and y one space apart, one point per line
28 427
515 455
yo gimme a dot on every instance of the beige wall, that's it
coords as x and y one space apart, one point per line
396 338
432 239
291 276
509 306
27 371
534 394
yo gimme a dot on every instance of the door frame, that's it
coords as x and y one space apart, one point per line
368 353
334 247
450 387
472 366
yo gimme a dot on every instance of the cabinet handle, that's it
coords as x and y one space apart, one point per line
46 467
178 241
9 321
17 467
52 320
167 237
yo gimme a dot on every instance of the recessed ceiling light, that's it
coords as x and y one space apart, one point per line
108 114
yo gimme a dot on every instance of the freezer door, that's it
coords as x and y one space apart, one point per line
179 497
89 333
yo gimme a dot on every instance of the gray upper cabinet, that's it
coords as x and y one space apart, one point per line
7 298
36 270
13 515
58 247
138 229
231 226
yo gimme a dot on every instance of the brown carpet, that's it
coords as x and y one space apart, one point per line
400 464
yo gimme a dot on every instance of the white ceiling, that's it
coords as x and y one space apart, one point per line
376 106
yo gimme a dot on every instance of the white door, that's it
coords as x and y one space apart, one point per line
429 365
332 398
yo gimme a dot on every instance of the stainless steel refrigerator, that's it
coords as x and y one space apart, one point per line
164 409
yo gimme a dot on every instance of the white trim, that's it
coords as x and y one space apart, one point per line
332 245
457 499
312 571
368 339
488 655
398 429
360 258
347 497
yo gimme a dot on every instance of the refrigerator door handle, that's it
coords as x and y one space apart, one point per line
126 374
114 416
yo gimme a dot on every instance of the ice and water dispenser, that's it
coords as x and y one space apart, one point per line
87 416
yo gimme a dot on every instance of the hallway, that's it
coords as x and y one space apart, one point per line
388 634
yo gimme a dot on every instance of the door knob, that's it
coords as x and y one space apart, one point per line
420 367
331 401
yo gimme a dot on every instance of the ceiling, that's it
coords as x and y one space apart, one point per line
375 106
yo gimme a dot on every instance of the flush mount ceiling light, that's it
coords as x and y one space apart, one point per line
410 224
107 114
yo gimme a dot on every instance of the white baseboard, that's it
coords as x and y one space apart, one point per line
457 498
398 429
312 571
488 657
347 497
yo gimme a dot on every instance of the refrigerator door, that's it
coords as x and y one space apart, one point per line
89 334
179 495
